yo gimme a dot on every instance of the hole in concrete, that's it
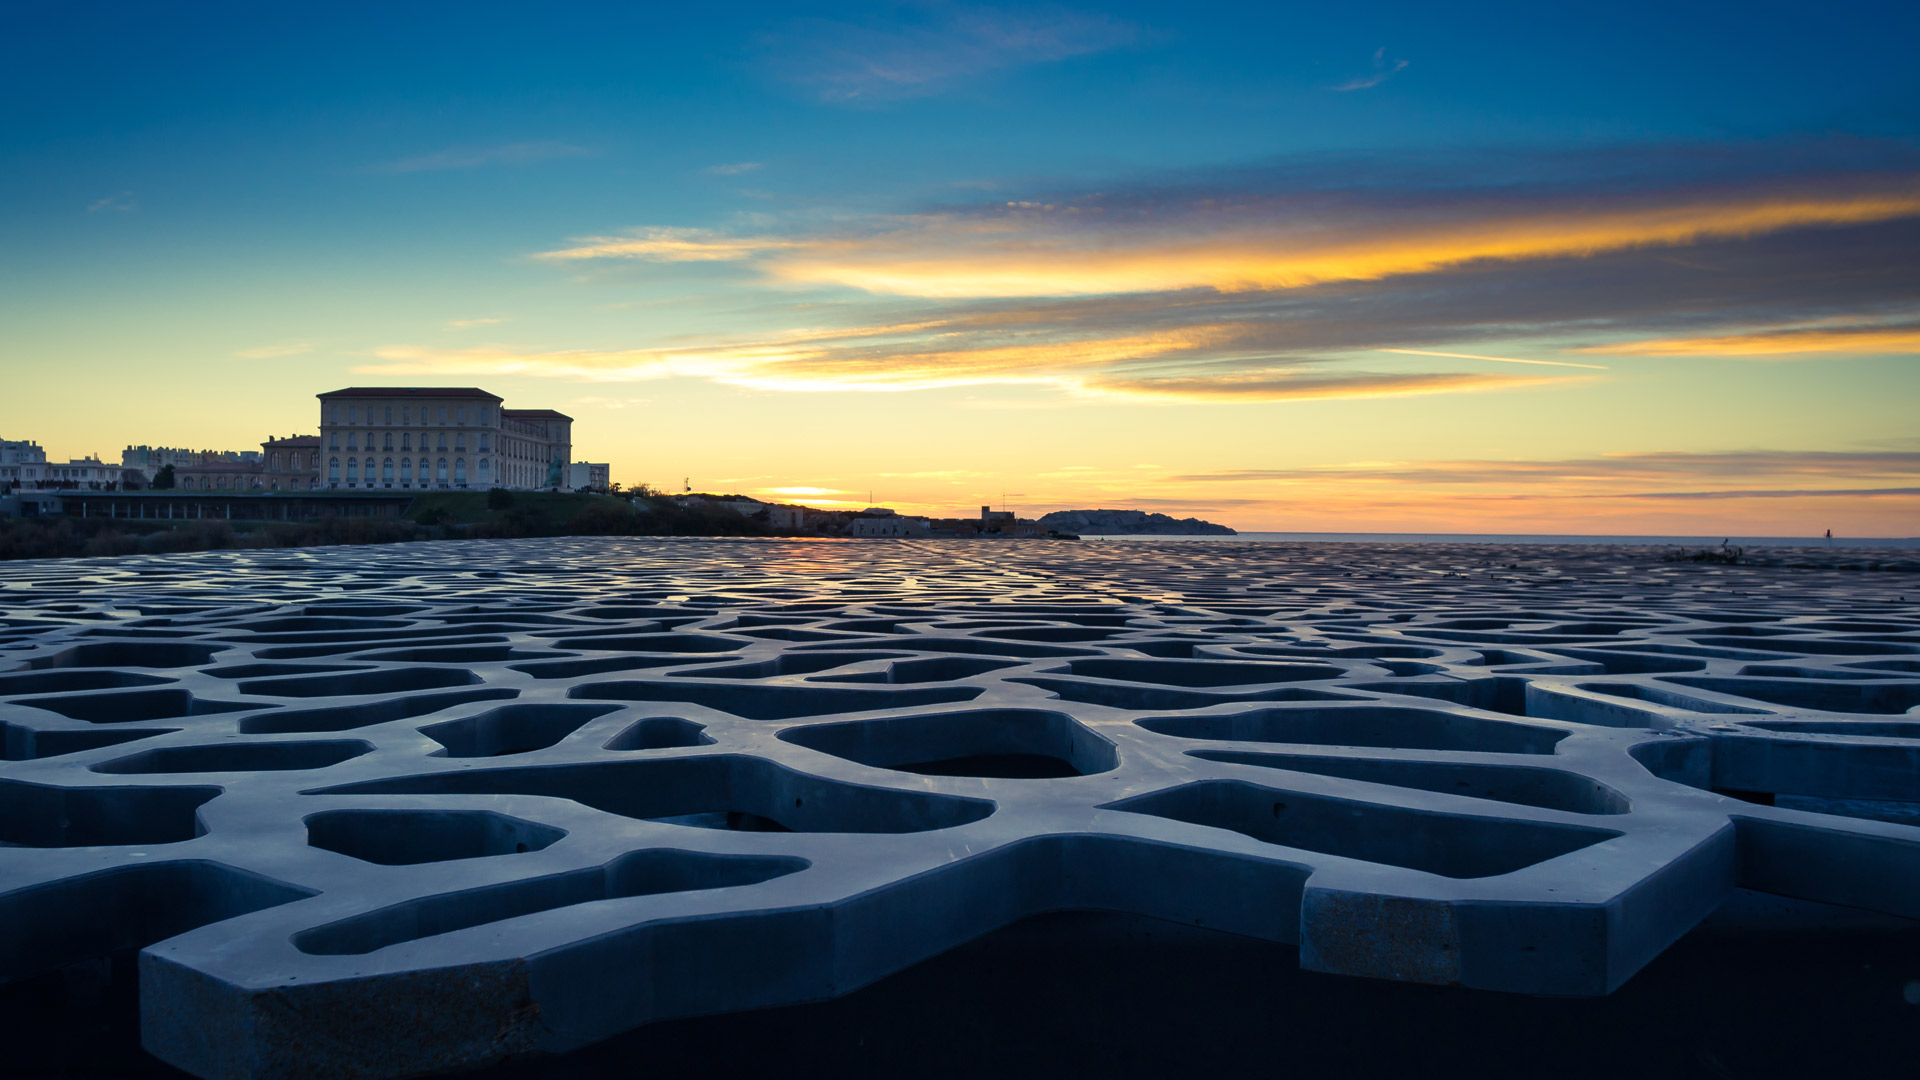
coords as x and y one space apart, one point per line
1551 789
774 702
932 669
1818 646
1824 696
305 652
239 757
1866 729
1200 673
664 788
129 907
23 743
41 815
1057 633
62 682
149 654
974 646
599 665
379 681
640 873
1785 671
512 729
408 837
1451 845
358 716
1123 696
660 733
784 664
268 671
304 623
1363 725
1625 663
1003 743
137 705
655 643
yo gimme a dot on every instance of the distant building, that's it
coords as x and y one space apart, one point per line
589 476
290 464
880 521
450 437
87 474
22 464
151 459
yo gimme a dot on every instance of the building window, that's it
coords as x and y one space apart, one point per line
406 470
333 440
460 472
353 414
386 471
440 471
483 442
295 463
459 440
333 470
353 466
333 414
275 467
353 440
386 441
443 414
387 415
483 470
406 440
443 440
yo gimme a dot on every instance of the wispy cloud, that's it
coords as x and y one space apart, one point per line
1383 69
1286 283
268 352
473 157
1824 338
734 169
1249 241
1767 467
120 202
1500 359
913 52
465 324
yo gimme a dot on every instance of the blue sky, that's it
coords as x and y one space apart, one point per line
707 232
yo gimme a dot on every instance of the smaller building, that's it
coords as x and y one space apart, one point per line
23 464
879 521
86 474
590 476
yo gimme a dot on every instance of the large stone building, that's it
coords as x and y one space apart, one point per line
448 437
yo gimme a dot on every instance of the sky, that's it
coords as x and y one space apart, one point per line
1571 268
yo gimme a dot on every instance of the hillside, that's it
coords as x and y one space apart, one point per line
1129 523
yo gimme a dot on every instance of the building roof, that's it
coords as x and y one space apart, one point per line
294 441
534 414
412 391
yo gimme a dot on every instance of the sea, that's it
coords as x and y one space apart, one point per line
1532 538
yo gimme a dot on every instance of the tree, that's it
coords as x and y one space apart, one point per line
499 498
164 478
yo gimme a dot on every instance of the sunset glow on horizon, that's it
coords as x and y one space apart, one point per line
1543 275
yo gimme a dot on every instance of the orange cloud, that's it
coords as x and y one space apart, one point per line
1789 341
1066 250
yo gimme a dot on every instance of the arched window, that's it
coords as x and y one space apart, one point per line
386 471
353 440
483 470
387 415
406 470
386 441
440 471
333 470
406 440
443 440
459 440
221 482
460 472
353 466
296 463
333 440
276 462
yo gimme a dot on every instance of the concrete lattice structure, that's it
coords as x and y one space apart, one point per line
411 808
439 438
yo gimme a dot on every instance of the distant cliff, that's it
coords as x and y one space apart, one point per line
1125 522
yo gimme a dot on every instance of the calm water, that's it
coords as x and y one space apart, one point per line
1532 538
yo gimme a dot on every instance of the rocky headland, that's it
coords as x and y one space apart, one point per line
1129 522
